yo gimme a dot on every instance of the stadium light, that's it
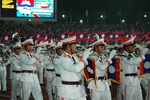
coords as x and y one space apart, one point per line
145 16
123 21
101 16
63 16
81 21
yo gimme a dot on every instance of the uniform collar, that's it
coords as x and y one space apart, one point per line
67 54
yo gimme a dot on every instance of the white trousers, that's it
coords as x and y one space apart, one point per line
40 74
49 87
145 84
56 87
100 95
82 98
28 88
3 80
15 89
132 93
120 92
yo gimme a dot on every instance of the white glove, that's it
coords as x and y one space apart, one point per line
87 52
144 51
38 50
112 54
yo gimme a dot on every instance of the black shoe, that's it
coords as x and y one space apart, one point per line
41 84
18 97
4 91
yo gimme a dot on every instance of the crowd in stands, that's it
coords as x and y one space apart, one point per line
58 28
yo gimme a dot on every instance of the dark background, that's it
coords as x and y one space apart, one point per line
113 10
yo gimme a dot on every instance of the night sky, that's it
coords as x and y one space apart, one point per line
127 8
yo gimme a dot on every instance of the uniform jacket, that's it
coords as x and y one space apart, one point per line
70 71
28 62
101 68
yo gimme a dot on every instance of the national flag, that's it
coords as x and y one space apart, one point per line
28 36
114 71
81 36
29 3
119 35
63 35
48 37
145 65
147 36
127 37
104 35
34 36
90 70
138 36
91 36
40 36
6 38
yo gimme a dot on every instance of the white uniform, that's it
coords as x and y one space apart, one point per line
49 74
145 82
102 92
29 78
15 76
40 67
3 74
131 84
57 79
70 69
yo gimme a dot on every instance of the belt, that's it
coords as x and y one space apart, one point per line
16 71
72 83
131 74
58 75
50 69
101 78
28 71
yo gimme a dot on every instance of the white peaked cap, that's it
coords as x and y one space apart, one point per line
98 42
58 46
1 44
129 41
28 42
69 40
17 45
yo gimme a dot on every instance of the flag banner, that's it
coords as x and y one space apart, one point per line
114 71
40 36
6 38
81 37
145 65
90 71
48 37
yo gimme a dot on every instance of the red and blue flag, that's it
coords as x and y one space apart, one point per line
145 65
90 70
114 71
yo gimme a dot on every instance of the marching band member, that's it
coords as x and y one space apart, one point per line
102 91
15 74
3 71
57 79
29 79
40 55
49 74
70 68
145 80
131 84
120 53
